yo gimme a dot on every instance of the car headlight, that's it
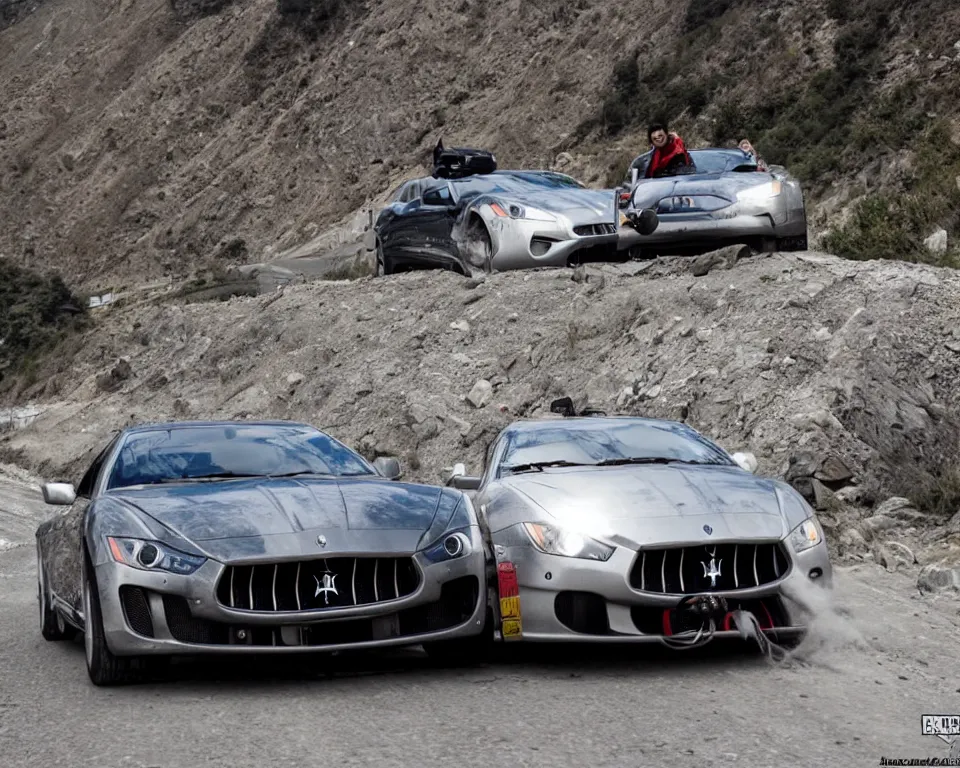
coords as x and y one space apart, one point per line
153 556
514 211
557 541
761 191
448 538
806 535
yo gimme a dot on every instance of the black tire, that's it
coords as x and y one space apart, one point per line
103 667
789 244
53 626
466 651
380 268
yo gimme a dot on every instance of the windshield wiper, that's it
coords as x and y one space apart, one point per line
539 465
649 460
215 476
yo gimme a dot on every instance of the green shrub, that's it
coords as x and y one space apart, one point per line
36 311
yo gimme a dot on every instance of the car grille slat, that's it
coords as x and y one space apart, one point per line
588 230
696 569
319 584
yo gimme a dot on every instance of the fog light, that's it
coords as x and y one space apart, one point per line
816 573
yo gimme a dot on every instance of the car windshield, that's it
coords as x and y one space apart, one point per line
705 161
514 182
225 451
581 444
721 160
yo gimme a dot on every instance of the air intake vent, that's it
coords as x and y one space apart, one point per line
721 567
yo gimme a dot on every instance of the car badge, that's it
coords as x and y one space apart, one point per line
322 540
714 569
326 587
707 530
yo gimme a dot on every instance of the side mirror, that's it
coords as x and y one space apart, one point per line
461 480
388 467
746 461
62 494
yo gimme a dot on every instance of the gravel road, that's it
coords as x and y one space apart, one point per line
881 657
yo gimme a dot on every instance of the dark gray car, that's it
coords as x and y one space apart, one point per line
723 199
253 537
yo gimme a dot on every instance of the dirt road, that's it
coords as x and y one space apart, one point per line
882 657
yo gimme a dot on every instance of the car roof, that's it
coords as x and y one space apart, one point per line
169 425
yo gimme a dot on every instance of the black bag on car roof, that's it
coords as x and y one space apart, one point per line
458 162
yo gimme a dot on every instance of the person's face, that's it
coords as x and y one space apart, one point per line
659 138
746 146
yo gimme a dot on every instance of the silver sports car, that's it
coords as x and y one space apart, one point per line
607 529
469 217
723 199
254 537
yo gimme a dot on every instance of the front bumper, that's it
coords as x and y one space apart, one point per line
562 599
737 224
515 238
154 613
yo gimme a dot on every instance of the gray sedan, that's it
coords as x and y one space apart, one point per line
253 537
608 529
723 199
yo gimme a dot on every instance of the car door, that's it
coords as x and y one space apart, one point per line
391 223
61 540
425 239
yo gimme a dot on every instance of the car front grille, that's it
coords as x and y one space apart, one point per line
457 603
721 567
308 585
588 230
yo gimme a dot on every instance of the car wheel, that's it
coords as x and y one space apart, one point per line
103 667
53 627
478 247
465 651
381 267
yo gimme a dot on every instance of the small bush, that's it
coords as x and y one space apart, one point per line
35 312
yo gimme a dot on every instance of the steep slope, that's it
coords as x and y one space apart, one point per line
146 138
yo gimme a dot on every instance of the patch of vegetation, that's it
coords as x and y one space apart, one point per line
36 312
887 226
702 12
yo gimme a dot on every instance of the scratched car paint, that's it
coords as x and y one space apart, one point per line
242 537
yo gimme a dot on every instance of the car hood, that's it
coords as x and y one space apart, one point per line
726 185
579 204
242 518
636 506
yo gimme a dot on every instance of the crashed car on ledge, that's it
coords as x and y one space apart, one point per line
635 530
470 217
723 199
253 537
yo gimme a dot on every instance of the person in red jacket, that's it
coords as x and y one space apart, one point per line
669 151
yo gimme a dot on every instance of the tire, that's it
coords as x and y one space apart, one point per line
381 265
478 244
465 651
103 667
53 626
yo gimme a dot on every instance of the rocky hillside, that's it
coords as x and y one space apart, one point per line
841 376
143 139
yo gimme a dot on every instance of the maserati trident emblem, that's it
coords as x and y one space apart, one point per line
714 569
326 587
707 530
322 540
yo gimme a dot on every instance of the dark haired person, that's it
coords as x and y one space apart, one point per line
669 151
